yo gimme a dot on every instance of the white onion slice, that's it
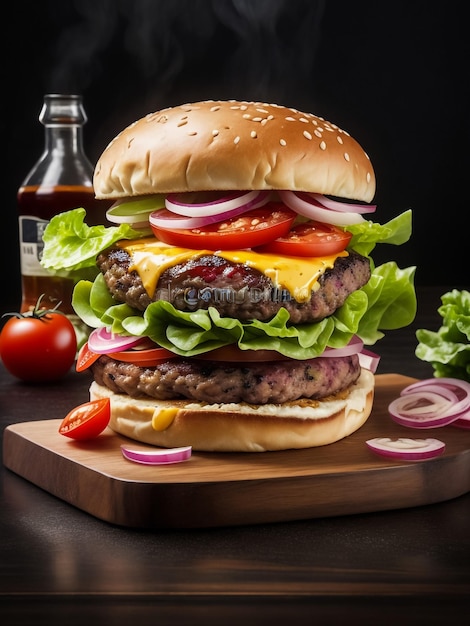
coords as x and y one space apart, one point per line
305 205
406 449
345 207
102 341
431 403
157 457
248 200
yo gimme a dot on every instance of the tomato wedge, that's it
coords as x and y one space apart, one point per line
310 239
253 228
87 420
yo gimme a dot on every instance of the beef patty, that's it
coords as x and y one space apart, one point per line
211 381
234 289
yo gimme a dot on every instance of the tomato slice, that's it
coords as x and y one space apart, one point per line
253 228
233 354
144 358
87 420
310 239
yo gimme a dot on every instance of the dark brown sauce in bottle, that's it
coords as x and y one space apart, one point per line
60 180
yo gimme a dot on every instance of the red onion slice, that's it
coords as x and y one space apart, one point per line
345 207
157 457
431 403
369 360
405 449
305 205
102 341
244 200
354 346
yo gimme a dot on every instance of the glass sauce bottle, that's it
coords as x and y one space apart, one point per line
60 180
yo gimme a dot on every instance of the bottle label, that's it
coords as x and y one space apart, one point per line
31 230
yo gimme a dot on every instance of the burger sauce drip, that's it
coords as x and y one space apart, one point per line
59 181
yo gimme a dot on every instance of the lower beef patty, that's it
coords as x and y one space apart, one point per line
235 290
210 381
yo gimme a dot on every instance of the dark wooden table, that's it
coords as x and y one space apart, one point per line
60 565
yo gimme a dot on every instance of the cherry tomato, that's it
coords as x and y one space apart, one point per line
310 239
38 346
87 420
253 228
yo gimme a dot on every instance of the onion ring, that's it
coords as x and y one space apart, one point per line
406 449
346 207
236 200
305 205
431 403
157 457
102 341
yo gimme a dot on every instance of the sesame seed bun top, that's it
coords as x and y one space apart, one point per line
232 145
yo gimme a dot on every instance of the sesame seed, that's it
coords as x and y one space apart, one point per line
302 119
290 119
192 133
253 134
243 107
257 119
368 177
339 139
182 123
216 108
262 110
264 121
307 134
322 145
283 142
246 116
317 133
215 133
236 140
346 157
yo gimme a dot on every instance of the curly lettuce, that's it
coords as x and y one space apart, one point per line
448 348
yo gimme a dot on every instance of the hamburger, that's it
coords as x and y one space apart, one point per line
233 291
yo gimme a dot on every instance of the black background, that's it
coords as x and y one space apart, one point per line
393 74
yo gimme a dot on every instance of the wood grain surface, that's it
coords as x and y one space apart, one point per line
229 489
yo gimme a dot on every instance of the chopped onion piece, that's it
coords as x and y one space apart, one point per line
369 360
103 341
406 449
236 200
306 205
157 457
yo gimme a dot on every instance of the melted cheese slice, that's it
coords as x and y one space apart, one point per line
299 275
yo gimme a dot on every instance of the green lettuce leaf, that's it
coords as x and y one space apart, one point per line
71 245
448 349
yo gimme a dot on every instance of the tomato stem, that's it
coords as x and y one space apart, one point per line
37 312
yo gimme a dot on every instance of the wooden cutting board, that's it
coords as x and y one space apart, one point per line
227 489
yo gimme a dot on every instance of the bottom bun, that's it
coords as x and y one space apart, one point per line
240 427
